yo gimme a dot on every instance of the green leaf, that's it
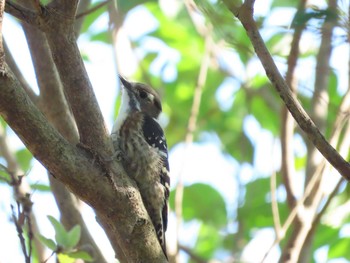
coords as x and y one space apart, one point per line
61 236
64 258
73 236
48 242
41 187
340 249
265 115
80 254
300 163
256 210
103 36
203 202
274 43
126 5
208 241
258 81
229 127
334 101
45 2
4 176
3 123
24 157
92 17
284 3
325 235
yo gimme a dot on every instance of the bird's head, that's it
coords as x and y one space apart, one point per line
141 98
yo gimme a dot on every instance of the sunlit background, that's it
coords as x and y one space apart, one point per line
203 161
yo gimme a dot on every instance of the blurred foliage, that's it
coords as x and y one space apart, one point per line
65 244
223 228
252 97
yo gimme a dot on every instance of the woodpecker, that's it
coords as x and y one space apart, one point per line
140 139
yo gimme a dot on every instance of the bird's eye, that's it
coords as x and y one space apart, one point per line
143 94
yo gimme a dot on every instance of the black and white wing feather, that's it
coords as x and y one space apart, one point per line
154 135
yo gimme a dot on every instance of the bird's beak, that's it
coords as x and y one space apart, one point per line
125 83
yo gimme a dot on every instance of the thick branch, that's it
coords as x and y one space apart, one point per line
23 14
82 6
67 7
245 15
2 52
53 104
77 87
12 64
30 125
100 183
119 204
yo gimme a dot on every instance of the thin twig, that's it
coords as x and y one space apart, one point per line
329 199
245 15
52 254
93 9
274 205
191 127
20 234
21 190
30 234
294 212
287 125
321 167
192 255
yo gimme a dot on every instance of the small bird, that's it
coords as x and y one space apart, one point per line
140 139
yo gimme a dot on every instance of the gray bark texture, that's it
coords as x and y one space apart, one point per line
70 138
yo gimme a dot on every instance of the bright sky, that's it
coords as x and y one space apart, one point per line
208 158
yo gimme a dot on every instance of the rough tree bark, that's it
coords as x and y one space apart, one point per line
86 169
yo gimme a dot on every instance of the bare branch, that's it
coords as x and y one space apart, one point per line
54 105
287 125
249 4
193 256
77 87
127 220
23 14
12 64
192 126
30 125
274 205
37 6
329 199
21 191
93 9
297 208
66 7
82 6
245 15
298 247
20 234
